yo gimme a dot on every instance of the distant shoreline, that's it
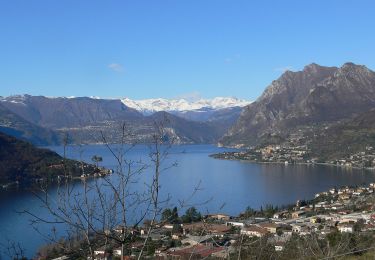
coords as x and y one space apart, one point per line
298 163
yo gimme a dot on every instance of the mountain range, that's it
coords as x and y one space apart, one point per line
150 106
44 120
224 109
328 109
15 125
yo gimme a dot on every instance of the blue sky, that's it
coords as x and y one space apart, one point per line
174 48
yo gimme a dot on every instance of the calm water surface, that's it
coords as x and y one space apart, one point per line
230 186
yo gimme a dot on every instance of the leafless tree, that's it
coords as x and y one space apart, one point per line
13 250
95 209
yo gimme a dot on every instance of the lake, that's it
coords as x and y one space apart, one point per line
228 186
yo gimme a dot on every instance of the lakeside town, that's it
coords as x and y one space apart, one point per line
345 211
299 154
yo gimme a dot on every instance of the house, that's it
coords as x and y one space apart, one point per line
270 227
254 231
296 228
337 206
298 214
345 228
219 216
101 253
121 230
117 252
321 204
235 224
348 220
332 191
279 246
301 229
215 229
280 214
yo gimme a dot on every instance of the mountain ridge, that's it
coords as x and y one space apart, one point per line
23 163
149 106
315 95
85 119
13 124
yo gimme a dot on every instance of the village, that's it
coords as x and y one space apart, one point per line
299 154
346 210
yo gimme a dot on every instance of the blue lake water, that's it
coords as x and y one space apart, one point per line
228 186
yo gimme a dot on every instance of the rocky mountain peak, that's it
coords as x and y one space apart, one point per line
349 65
312 68
350 69
299 83
315 95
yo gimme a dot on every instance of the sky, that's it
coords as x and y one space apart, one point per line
174 48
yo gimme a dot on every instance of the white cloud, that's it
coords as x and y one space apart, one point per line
116 67
283 69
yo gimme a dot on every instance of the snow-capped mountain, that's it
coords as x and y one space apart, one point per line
150 106
86 118
16 99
